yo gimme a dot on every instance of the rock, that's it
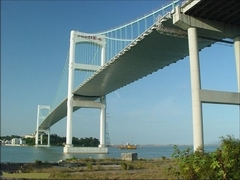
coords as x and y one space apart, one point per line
129 156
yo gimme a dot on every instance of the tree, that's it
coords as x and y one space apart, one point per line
56 140
30 141
9 137
89 142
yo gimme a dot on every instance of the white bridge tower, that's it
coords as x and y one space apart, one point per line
40 132
84 101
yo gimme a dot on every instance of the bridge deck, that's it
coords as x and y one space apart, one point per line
151 53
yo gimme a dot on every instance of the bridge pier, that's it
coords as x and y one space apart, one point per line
103 122
37 138
41 131
237 57
78 102
70 89
195 86
200 96
208 29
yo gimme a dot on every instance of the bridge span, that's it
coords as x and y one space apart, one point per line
185 30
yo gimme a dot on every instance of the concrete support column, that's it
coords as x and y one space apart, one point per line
48 143
36 137
195 86
103 55
103 109
103 123
70 89
41 138
37 133
237 57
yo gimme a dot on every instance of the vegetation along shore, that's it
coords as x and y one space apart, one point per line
224 163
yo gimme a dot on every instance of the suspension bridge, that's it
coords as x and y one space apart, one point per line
100 63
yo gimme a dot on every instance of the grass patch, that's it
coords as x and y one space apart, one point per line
27 175
96 169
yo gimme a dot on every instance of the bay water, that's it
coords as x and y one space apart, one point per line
25 154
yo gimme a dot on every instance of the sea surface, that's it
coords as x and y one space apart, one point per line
26 154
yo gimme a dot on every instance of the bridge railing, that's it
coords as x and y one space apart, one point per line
116 40
120 37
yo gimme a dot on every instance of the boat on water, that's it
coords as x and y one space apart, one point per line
128 146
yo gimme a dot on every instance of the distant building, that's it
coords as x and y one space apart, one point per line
22 141
6 142
15 141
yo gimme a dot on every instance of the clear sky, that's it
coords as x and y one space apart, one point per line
154 110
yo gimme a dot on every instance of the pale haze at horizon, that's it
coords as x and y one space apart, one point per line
153 110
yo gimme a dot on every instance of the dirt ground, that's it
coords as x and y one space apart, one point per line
88 169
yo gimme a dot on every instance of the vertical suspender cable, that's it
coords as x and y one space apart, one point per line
145 20
55 101
154 18
108 50
116 43
110 46
115 50
131 31
138 26
125 36
121 45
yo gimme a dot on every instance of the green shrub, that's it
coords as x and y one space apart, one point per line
90 160
163 157
99 167
38 162
124 166
224 163
127 166
226 159
130 166
72 159
89 166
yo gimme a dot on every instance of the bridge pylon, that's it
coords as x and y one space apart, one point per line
40 132
201 28
82 101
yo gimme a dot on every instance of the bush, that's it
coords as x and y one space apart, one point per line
124 165
226 159
127 166
38 162
71 159
89 166
99 167
130 167
163 157
224 163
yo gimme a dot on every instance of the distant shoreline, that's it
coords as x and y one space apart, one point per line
115 146
14 145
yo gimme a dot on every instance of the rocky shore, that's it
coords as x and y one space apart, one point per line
12 167
87 169
28 167
22 167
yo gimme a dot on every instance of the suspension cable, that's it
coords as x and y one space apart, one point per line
60 82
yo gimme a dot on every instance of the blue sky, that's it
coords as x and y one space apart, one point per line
154 110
